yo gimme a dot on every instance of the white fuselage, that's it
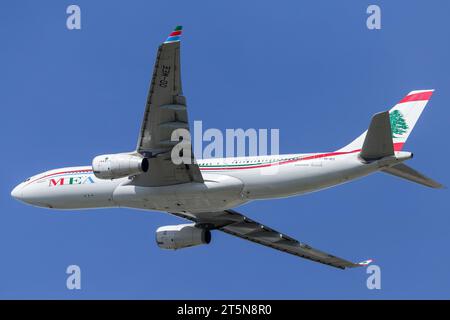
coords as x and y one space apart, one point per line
229 182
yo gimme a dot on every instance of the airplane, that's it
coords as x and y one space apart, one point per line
206 191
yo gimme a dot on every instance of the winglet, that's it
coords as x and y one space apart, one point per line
365 263
175 35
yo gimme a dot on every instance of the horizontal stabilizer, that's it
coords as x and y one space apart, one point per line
403 171
378 141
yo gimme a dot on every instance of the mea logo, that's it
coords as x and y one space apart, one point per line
72 180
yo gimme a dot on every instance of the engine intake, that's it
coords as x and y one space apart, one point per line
181 236
113 166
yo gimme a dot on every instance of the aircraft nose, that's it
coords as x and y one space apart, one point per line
16 193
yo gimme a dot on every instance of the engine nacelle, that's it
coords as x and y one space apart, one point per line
113 166
181 236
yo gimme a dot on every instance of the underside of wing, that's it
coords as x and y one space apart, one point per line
236 224
165 113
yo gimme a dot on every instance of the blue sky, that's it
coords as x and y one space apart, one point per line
310 68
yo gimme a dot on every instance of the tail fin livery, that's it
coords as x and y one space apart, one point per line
388 132
403 117
405 114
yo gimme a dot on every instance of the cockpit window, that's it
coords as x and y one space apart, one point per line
27 180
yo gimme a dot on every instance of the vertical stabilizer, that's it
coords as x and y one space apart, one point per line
403 117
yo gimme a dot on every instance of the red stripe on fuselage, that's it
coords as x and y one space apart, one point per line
397 147
316 156
61 172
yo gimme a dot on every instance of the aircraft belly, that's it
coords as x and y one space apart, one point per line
218 192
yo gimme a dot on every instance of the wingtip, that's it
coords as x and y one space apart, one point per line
175 35
365 263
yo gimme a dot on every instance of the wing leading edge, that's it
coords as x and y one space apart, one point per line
236 224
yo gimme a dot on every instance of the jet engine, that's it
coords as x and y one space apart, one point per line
113 166
181 236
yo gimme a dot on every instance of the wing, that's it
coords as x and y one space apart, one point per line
165 112
238 225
